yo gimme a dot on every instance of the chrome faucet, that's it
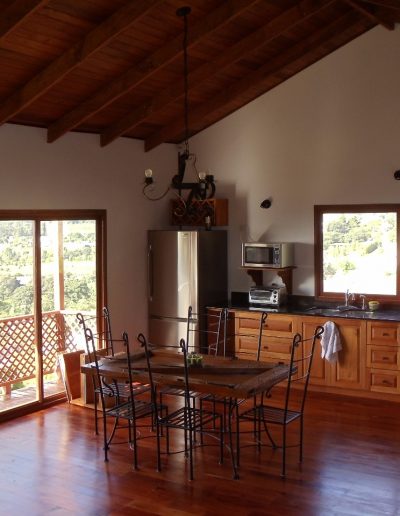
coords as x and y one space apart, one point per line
364 302
348 297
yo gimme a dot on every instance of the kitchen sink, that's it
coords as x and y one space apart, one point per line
340 311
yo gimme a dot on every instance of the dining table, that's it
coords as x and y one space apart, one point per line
228 378
222 376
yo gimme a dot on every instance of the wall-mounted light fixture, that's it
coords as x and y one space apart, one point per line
396 175
204 187
266 204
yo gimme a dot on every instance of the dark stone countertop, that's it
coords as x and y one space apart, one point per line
307 306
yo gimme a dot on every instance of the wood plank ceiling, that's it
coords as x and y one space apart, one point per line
115 67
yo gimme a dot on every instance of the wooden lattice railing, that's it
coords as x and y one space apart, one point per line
61 332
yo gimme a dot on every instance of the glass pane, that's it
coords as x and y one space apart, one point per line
68 286
360 252
18 376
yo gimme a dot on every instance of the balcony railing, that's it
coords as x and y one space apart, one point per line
60 333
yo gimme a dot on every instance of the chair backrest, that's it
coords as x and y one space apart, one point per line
204 330
94 360
301 358
144 344
101 331
258 339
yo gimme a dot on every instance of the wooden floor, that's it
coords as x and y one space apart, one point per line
53 464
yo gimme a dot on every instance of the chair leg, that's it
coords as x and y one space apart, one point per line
105 437
301 440
234 468
284 452
158 429
191 453
135 450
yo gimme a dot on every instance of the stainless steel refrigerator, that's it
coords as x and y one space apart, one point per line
185 268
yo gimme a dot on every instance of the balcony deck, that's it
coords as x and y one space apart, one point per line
60 333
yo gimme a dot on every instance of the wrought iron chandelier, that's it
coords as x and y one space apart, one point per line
204 188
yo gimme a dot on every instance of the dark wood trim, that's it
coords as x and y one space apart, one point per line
371 13
37 310
16 13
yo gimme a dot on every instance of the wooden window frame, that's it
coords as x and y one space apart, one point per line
37 216
319 211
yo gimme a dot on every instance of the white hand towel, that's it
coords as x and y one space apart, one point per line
330 342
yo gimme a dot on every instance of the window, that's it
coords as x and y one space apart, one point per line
357 249
51 267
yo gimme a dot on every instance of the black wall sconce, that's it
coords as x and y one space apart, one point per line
266 204
396 175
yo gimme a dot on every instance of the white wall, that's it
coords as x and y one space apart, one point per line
74 173
329 135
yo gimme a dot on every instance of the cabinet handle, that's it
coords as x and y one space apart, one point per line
386 382
265 347
385 334
385 358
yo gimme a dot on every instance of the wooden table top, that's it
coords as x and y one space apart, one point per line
231 377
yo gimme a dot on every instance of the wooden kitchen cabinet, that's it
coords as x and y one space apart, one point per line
383 357
349 371
277 335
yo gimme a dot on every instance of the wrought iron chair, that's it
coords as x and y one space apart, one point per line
262 414
130 410
204 337
230 407
103 337
189 419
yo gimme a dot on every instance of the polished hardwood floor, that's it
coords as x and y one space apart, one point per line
52 463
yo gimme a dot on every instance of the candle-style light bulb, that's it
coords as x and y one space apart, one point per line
148 176
202 176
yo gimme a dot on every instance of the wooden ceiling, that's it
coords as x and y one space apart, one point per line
115 67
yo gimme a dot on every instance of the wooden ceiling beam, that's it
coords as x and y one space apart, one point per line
285 58
271 30
145 68
390 4
16 13
371 13
66 62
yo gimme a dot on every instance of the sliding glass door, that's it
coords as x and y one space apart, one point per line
51 267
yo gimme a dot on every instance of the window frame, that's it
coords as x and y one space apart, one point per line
319 211
38 216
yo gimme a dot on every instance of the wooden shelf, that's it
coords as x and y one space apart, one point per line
216 209
286 273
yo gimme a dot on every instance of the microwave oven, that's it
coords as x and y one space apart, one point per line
267 255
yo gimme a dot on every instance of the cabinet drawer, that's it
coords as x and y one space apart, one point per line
382 333
384 381
247 322
272 348
383 357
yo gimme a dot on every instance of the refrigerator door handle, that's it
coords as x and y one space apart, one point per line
150 276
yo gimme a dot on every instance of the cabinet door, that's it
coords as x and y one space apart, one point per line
350 369
320 368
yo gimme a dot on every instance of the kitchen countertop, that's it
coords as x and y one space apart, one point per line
303 307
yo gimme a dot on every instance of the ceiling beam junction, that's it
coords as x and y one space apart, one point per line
371 13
